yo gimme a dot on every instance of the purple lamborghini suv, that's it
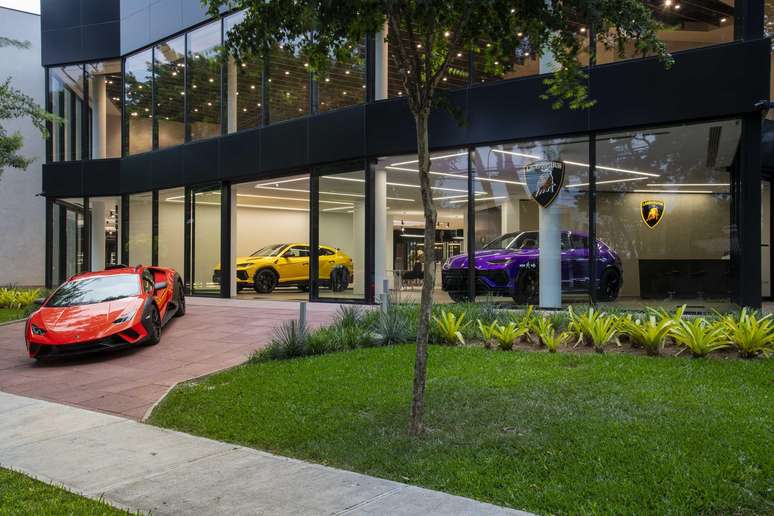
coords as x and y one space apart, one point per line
508 266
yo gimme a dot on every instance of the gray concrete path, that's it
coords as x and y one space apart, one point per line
140 467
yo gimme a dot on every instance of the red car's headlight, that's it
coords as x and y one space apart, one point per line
37 330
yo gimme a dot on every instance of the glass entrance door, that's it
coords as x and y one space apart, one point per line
205 240
69 239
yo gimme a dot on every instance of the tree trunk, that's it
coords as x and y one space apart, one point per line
416 426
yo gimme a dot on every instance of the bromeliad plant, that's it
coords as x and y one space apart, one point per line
581 324
487 332
506 335
700 336
650 332
750 333
547 335
449 327
17 299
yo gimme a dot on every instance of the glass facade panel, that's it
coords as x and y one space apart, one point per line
288 85
138 91
204 59
105 216
140 229
344 84
169 91
341 235
398 210
69 244
205 240
524 251
105 87
243 93
664 207
171 237
685 25
66 95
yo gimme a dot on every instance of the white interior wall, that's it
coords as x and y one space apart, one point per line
171 234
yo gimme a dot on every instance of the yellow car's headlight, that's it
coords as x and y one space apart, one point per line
243 265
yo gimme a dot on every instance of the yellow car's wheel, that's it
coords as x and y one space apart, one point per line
264 281
339 279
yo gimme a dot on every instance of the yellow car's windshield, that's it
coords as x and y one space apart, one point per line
270 250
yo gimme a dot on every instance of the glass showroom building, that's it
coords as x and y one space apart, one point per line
262 180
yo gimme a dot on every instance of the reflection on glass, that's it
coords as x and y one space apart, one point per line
66 97
169 90
105 86
105 231
171 237
140 229
526 251
92 290
344 84
398 209
271 217
342 235
685 25
288 85
138 84
204 81
69 239
205 240
664 205
242 83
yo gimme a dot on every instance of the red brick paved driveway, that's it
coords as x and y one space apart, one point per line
215 334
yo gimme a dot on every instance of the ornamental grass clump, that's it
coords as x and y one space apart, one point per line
581 324
17 299
700 336
391 327
289 341
750 333
449 327
487 332
649 332
506 335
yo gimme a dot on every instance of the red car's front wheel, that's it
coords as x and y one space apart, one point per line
154 333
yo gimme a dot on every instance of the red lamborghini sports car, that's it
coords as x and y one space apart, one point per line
93 311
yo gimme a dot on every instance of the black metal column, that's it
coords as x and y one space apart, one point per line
226 260
155 227
49 239
470 230
314 234
370 231
592 200
746 229
125 258
87 229
187 228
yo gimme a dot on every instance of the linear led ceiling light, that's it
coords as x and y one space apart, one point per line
431 159
676 185
458 176
675 191
609 182
579 164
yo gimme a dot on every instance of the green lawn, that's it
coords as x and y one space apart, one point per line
10 314
20 494
549 433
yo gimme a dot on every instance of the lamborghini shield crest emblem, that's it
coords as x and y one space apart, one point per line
544 180
652 212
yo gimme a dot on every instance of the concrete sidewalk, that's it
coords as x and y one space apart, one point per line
140 467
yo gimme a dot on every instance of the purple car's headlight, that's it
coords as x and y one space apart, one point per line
499 261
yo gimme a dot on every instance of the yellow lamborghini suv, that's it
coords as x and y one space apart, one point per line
282 265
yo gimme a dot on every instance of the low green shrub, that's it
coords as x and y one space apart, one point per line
18 299
391 328
487 332
506 335
650 333
700 336
581 323
547 334
751 333
449 327
290 340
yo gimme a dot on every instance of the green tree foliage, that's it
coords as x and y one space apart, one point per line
15 104
431 33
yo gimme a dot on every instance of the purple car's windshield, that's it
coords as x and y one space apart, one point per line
97 289
523 240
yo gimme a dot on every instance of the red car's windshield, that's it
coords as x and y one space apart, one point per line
96 289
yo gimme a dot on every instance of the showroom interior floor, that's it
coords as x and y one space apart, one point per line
214 334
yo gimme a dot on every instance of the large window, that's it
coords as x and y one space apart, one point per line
243 91
105 87
685 25
169 90
344 84
664 209
69 244
140 238
400 225
204 60
531 222
138 87
205 240
288 85
66 97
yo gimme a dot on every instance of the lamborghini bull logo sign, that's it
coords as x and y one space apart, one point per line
544 180
652 212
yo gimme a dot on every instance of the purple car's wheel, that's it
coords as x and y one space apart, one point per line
528 289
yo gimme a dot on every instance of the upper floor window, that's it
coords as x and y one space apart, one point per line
204 52
66 98
169 91
105 85
344 83
288 84
243 86
138 92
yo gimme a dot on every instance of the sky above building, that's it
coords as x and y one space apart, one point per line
30 6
